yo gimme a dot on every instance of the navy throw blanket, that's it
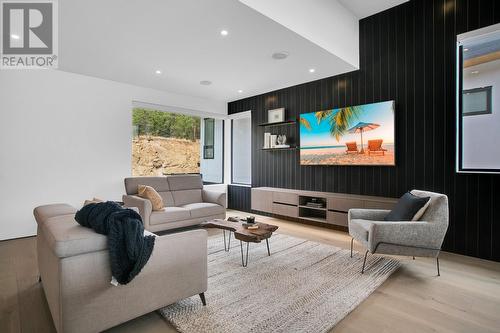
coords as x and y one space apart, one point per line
129 249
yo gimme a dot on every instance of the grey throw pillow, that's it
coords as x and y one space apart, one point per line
406 208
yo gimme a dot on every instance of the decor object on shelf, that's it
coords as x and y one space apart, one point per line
272 141
276 115
331 137
281 139
314 293
422 238
267 140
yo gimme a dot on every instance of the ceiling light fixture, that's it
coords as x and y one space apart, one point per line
205 83
240 91
158 71
312 70
474 72
224 32
14 36
465 50
280 55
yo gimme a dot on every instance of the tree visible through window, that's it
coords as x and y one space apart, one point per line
164 143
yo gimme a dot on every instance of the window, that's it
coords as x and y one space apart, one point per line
476 101
169 143
208 144
212 150
478 96
241 151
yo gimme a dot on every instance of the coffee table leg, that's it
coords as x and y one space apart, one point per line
244 263
229 242
267 243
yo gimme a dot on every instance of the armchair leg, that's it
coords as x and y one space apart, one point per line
203 300
437 265
352 239
364 262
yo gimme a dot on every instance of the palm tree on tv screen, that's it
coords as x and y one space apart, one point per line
339 119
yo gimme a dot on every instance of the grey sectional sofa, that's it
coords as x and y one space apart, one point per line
186 202
75 271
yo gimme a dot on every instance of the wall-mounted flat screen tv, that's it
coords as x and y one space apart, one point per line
354 135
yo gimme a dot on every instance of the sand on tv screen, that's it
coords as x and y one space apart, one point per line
354 135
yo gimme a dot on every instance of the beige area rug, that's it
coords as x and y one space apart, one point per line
303 286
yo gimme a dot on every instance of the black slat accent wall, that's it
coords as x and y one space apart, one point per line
239 197
407 53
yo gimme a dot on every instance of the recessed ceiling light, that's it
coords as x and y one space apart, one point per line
14 36
240 91
280 55
158 71
465 50
224 32
474 72
205 83
312 70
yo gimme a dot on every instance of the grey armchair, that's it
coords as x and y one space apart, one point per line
421 238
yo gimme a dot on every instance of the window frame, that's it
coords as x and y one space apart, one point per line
232 150
223 124
488 110
186 112
459 49
205 146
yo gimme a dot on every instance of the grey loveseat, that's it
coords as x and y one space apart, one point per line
75 272
422 238
186 202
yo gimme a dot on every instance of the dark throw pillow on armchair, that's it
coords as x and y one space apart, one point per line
406 208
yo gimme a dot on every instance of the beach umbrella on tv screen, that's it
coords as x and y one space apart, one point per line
363 127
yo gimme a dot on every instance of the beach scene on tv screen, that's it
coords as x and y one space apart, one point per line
354 135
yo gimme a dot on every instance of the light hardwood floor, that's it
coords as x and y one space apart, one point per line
465 298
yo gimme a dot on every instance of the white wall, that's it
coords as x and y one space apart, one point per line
66 137
481 134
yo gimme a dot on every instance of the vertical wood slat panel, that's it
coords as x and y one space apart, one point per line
407 54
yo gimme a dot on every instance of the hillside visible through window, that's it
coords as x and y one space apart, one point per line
164 143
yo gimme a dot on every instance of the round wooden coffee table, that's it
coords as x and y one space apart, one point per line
242 234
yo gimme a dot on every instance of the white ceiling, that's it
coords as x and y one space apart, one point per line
364 8
126 41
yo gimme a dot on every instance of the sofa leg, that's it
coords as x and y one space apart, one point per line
437 265
39 278
364 262
414 258
203 300
352 240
